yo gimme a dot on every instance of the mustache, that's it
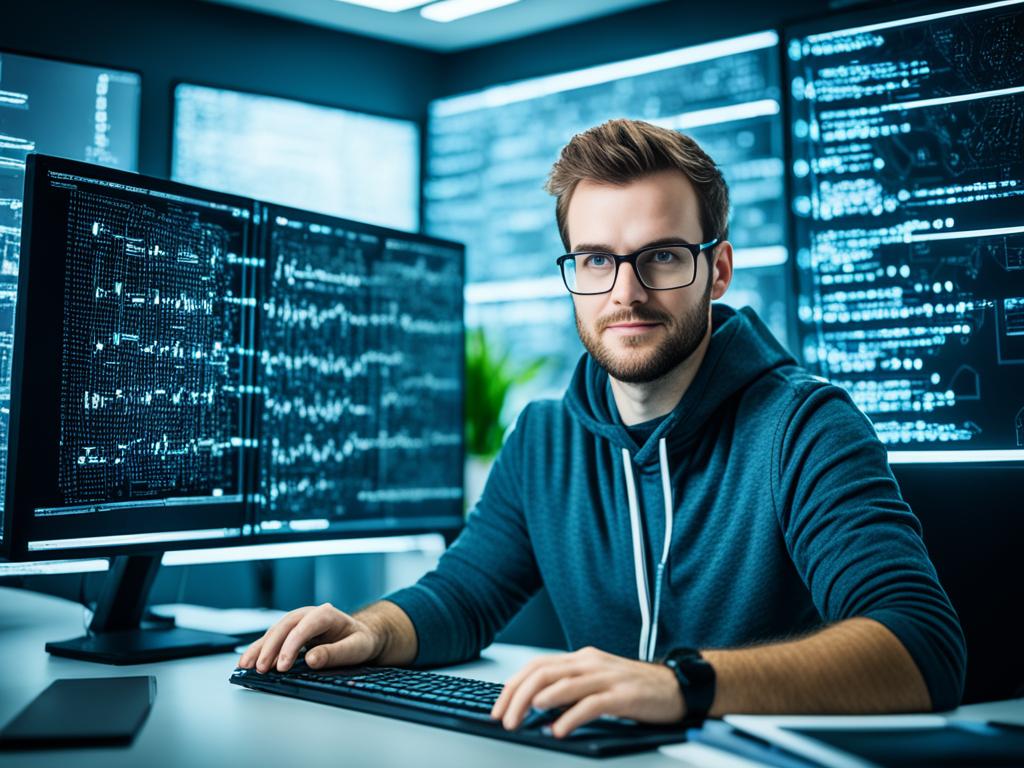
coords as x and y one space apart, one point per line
637 315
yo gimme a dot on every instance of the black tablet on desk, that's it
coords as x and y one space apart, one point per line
82 712
925 741
976 745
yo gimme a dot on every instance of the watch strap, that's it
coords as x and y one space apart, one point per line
696 678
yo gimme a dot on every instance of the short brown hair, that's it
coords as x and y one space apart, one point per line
621 151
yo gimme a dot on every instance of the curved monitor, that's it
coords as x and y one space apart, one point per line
197 369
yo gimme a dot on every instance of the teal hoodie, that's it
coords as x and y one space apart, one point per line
762 507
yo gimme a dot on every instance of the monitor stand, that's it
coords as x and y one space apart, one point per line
116 634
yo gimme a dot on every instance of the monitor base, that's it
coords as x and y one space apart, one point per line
141 646
117 634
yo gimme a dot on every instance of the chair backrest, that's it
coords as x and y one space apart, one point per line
973 519
535 624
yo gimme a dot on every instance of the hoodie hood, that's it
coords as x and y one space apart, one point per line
741 351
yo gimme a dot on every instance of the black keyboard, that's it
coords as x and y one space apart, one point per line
446 701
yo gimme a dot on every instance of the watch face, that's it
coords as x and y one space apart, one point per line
678 655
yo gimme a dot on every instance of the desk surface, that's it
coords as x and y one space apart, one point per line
200 719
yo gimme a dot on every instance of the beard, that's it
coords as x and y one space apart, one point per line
643 366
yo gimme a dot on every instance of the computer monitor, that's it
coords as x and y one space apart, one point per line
360 376
63 108
489 152
135 338
194 369
310 156
907 194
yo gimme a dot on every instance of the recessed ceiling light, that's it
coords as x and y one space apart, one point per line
450 10
391 6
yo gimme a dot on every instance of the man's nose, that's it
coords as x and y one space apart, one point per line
628 290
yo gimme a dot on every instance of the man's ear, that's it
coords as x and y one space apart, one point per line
722 269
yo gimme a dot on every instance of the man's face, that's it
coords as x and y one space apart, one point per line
636 334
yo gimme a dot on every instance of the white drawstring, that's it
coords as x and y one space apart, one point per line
666 492
639 558
648 627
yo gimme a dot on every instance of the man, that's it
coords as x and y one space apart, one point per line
695 489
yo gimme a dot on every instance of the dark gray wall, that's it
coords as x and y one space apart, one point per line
647 30
171 40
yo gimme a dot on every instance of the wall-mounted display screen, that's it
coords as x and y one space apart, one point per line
335 161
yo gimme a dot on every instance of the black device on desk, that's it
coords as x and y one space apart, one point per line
447 701
83 712
953 743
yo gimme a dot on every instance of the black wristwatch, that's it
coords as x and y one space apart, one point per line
696 678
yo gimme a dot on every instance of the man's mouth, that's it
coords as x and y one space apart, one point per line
632 327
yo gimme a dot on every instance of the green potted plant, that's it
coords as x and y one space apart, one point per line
490 376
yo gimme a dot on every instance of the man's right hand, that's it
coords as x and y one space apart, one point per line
332 639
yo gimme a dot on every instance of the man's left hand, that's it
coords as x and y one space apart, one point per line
590 683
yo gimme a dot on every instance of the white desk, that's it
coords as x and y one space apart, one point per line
200 719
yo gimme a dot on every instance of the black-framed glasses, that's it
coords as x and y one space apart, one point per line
657 267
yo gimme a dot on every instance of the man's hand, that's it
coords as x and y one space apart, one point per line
591 683
333 639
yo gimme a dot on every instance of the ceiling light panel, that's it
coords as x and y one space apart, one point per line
391 6
450 10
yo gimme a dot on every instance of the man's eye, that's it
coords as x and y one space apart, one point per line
664 257
596 261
